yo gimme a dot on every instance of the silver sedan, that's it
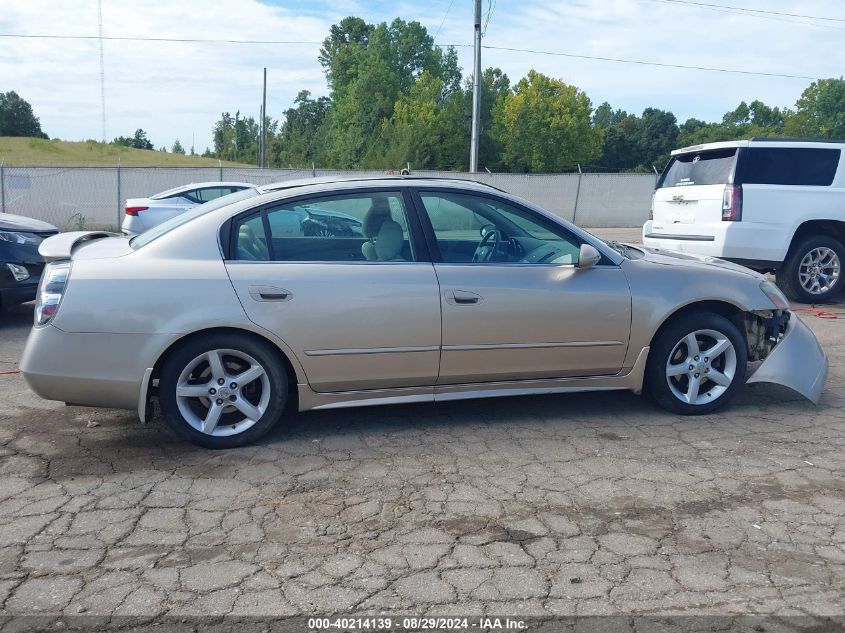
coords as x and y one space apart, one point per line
439 290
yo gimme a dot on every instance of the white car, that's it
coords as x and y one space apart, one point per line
770 204
144 213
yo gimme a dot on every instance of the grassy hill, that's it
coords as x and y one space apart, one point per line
42 152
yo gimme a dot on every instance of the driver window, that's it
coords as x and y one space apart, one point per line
480 230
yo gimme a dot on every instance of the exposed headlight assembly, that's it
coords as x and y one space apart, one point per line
50 291
775 295
20 273
17 237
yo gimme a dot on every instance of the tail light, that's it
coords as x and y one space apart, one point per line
135 210
50 291
732 203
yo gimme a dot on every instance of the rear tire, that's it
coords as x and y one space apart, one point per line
812 272
696 364
222 390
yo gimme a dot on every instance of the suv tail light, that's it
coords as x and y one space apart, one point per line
50 291
732 203
135 210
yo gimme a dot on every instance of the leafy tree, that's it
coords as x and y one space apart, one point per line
17 118
139 140
302 137
545 125
605 116
820 111
177 147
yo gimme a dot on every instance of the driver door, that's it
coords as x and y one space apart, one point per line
514 304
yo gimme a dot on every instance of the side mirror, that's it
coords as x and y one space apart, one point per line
588 256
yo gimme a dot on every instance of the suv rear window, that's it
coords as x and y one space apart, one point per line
808 166
711 167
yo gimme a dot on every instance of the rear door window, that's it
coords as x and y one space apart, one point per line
808 166
712 167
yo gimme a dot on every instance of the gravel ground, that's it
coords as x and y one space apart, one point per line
570 504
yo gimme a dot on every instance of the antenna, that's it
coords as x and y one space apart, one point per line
102 67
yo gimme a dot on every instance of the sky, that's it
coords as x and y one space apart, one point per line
178 90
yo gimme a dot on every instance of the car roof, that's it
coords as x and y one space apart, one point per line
773 141
341 182
198 185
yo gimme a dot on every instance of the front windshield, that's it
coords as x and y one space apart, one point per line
165 227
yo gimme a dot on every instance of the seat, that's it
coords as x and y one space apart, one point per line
374 219
249 246
389 242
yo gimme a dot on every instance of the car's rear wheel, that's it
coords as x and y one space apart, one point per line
812 272
222 390
696 363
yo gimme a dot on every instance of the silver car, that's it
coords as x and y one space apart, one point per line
440 290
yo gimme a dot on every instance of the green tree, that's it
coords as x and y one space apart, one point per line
302 136
17 117
545 126
177 147
138 140
820 111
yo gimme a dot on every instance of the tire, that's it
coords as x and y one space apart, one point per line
672 344
243 413
799 275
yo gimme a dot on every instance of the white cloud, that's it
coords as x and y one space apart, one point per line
179 89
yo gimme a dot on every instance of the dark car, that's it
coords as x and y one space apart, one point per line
20 263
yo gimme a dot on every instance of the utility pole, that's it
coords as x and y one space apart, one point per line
263 122
476 92
102 68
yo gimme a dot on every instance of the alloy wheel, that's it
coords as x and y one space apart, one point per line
819 270
701 367
223 392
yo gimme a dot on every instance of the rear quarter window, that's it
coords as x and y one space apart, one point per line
808 166
713 167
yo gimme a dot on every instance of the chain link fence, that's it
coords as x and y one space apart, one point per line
94 197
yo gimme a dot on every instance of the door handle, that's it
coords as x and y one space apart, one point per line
269 293
462 298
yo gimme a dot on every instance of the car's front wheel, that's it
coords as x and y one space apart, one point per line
812 272
696 363
222 390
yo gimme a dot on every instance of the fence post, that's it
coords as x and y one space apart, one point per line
577 194
313 171
220 166
2 185
119 201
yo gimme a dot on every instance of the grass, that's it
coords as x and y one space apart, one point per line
23 151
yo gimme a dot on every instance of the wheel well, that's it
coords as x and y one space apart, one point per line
291 373
832 228
728 310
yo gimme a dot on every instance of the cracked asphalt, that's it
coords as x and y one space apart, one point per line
571 504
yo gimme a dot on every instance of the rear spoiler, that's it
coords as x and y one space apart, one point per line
61 246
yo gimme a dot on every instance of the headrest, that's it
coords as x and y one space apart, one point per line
379 212
246 231
390 241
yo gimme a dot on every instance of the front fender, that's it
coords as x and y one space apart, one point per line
797 362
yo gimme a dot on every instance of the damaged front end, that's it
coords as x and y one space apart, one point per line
791 355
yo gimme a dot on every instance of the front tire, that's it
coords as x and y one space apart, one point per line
222 390
696 364
812 272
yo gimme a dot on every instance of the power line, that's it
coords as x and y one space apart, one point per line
619 60
153 39
760 11
491 7
745 12
642 62
443 21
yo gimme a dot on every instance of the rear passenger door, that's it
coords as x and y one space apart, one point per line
342 281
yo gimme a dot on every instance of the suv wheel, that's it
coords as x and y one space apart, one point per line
222 390
812 272
696 364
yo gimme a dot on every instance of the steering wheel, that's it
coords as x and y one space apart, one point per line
487 246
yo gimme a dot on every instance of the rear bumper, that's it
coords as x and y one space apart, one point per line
750 241
99 370
19 293
797 362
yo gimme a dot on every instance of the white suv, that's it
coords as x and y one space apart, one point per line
770 204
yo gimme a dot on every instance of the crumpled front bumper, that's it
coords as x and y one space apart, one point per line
797 362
